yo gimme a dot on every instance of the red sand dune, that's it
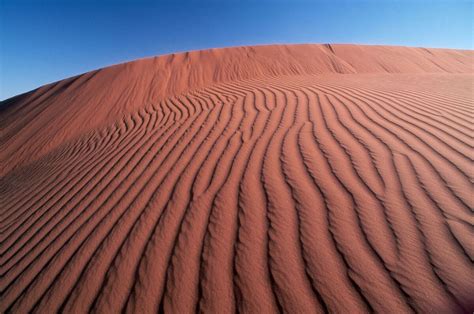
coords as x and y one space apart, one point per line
299 179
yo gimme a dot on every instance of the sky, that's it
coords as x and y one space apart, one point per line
42 41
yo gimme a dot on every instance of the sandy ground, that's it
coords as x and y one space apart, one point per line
298 179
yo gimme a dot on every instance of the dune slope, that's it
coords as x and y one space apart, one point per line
301 178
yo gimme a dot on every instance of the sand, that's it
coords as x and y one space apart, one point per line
286 178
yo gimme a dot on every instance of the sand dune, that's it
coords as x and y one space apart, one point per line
299 179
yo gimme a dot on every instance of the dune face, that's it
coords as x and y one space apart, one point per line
299 179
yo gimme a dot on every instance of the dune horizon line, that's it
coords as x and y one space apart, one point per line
226 47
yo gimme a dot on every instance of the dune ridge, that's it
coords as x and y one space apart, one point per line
70 107
305 178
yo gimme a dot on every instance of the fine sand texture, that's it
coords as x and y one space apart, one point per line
285 178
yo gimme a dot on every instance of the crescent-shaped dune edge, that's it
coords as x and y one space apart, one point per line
284 178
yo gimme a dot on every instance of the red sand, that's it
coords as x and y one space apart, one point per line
303 178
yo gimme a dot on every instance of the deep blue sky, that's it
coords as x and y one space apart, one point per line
47 40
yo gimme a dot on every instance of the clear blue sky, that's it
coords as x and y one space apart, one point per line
47 40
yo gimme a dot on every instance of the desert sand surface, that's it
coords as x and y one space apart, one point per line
284 178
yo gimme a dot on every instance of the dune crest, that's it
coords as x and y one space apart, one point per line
294 178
